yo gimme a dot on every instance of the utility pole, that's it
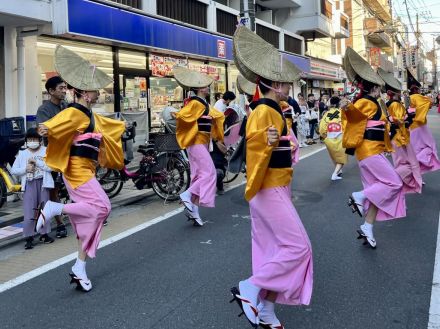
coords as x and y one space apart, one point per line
247 10
434 64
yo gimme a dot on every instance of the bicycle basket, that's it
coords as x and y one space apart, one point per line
166 143
12 135
10 127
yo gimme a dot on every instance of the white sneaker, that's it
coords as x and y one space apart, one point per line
336 177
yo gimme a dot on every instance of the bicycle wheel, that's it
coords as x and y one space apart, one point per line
3 192
110 180
172 180
229 177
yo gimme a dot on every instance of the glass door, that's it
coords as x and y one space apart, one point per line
133 91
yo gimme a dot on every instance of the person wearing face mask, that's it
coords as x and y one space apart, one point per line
79 140
282 267
36 182
198 125
367 136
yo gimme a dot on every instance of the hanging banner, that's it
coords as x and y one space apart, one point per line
162 66
413 57
404 58
221 49
375 57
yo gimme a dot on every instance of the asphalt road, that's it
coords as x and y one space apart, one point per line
173 275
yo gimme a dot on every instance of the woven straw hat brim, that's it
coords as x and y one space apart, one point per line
191 79
355 63
244 86
254 57
411 80
79 72
351 74
389 79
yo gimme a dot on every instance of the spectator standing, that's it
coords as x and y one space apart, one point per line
312 115
223 102
323 105
296 113
56 88
36 181
303 123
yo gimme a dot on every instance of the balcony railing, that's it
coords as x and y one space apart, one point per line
131 3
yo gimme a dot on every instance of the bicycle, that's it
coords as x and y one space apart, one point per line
162 168
12 138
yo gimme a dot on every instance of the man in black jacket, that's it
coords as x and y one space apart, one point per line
57 88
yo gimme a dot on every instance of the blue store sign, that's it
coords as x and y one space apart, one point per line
98 20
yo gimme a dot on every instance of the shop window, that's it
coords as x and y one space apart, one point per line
132 60
226 22
101 56
271 36
326 8
292 44
131 3
188 11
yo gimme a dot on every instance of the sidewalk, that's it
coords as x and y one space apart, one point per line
11 214
130 209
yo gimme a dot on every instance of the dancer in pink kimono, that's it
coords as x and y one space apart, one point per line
282 266
198 125
421 137
367 136
78 141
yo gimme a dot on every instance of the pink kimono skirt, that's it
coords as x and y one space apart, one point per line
407 166
281 250
90 208
383 187
426 151
203 175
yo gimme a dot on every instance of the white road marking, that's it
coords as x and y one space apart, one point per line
434 309
61 261
207 242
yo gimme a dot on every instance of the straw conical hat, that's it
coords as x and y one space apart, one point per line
355 65
191 79
254 57
412 81
78 72
389 79
244 86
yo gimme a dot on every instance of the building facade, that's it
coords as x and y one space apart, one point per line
136 42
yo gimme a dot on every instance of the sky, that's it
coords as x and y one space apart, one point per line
429 19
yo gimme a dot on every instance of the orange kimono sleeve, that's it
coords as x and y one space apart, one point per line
422 104
218 119
258 151
186 123
398 112
356 118
62 128
111 154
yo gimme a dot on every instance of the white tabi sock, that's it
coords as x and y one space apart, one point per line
367 228
359 197
79 269
250 292
266 313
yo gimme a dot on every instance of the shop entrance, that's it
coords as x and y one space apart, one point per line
133 91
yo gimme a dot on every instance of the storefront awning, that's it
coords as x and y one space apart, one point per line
114 24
